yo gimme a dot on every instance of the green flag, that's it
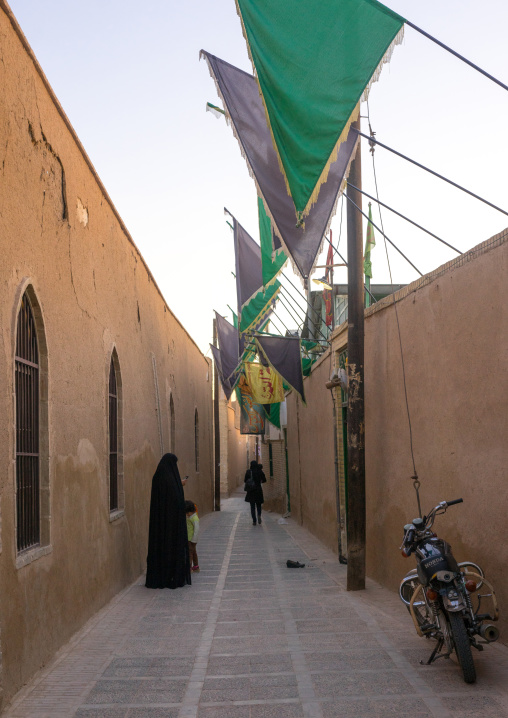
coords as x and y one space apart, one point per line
271 263
259 306
314 61
370 243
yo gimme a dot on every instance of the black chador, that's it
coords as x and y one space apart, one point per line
168 549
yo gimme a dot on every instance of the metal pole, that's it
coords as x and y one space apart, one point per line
356 519
216 426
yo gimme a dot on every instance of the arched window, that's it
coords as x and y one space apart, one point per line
28 504
113 438
172 426
196 438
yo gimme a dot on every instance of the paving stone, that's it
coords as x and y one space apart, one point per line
252 639
101 713
395 708
474 706
361 684
153 713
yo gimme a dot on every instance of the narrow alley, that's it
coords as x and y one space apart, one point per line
252 638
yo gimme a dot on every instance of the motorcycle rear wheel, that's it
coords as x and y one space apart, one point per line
462 646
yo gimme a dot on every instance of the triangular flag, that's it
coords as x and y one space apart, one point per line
272 262
228 346
244 110
265 383
314 61
226 384
284 355
253 303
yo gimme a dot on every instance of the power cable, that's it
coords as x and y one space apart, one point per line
416 483
460 57
382 204
432 172
384 235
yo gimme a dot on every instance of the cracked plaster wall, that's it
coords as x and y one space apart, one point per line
60 234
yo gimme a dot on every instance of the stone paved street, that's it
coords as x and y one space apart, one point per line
253 639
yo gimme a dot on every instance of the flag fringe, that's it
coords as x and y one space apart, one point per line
262 314
333 212
230 122
278 372
300 215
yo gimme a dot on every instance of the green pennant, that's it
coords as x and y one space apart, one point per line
271 264
272 412
314 60
259 305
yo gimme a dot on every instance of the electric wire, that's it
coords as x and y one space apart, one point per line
460 57
403 217
346 264
287 308
383 234
432 172
415 475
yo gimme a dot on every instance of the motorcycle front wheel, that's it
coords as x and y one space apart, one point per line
462 646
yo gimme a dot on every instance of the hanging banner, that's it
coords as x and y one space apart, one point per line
228 345
272 412
225 383
284 355
245 112
272 259
252 414
265 383
313 66
254 303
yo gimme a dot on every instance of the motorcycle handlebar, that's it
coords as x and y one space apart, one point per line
455 501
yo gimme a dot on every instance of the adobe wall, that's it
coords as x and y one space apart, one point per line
61 235
238 450
454 328
311 456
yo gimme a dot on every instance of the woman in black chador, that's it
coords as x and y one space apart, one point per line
254 477
168 549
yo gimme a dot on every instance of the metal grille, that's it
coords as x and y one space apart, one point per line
113 440
27 429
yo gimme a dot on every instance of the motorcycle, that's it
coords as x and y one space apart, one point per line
443 596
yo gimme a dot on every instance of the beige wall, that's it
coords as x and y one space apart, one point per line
61 238
234 448
275 489
238 451
311 456
454 327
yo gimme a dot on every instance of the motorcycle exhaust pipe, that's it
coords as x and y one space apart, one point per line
489 632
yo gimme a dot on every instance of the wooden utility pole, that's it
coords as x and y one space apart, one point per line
216 426
356 409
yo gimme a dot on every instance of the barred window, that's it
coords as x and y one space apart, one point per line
113 439
196 438
28 504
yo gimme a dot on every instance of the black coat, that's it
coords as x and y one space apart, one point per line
256 494
168 549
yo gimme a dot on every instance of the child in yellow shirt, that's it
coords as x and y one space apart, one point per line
192 533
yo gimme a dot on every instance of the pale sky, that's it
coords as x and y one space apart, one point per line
128 77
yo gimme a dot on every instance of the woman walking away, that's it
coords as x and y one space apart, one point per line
168 549
254 477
